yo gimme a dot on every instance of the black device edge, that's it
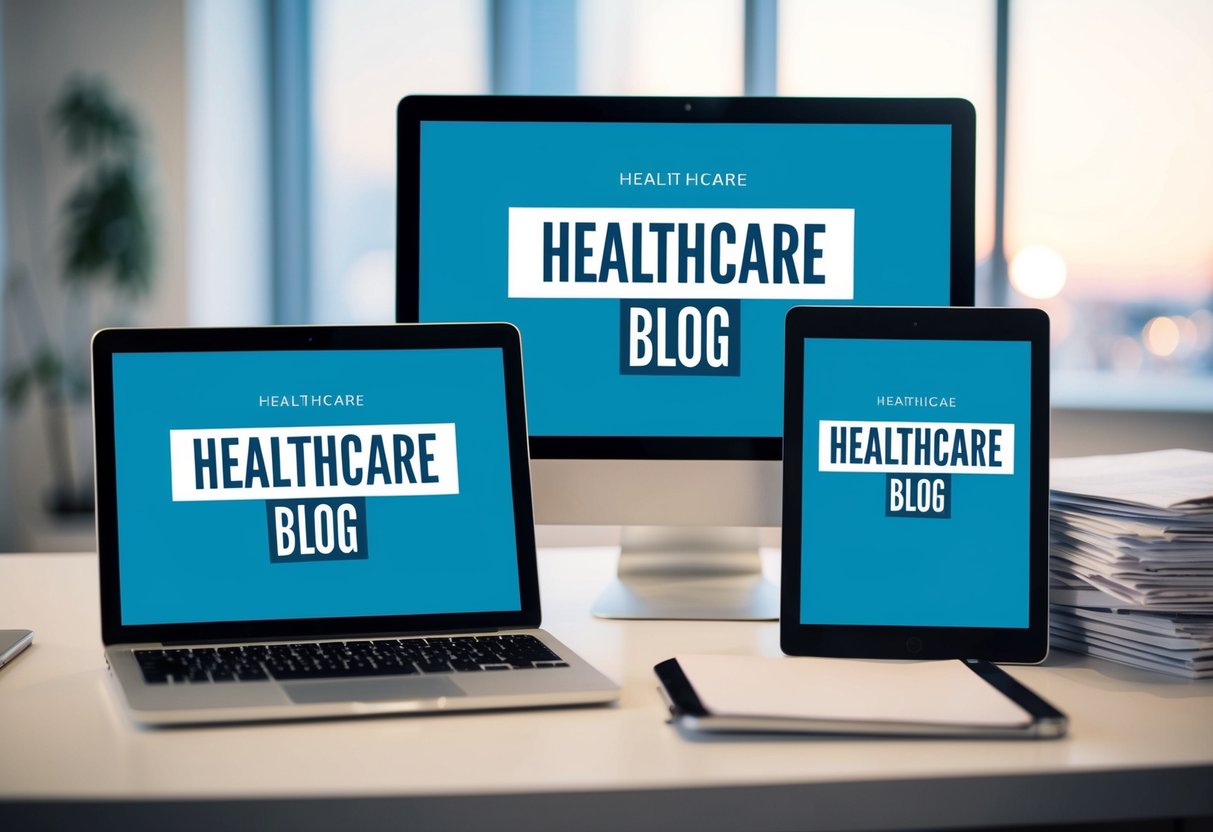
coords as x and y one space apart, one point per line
1016 646
1023 696
682 699
503 336
412 110
1047 721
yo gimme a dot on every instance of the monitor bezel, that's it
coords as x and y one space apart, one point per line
414 110
500 336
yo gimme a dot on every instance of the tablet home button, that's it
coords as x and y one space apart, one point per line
914 644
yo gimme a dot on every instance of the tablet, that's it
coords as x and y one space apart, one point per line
915 486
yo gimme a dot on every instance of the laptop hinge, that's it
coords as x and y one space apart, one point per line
336 636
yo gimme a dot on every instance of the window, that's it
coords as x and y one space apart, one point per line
660 47
927 48
1109 177
1107 167
367 55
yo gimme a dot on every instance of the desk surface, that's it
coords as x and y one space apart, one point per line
1141 744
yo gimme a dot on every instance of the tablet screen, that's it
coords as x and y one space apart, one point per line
916 473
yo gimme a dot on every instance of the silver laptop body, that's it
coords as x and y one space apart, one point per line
301 522
239 701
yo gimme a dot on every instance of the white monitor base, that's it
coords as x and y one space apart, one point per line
690 573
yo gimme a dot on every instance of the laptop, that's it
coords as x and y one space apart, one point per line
299 522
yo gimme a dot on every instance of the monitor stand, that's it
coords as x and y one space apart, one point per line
712 573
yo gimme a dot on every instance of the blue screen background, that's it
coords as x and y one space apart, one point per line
186 562
896 177
859 567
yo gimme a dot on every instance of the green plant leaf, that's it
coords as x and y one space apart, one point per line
92 121
45 370
108 234
47 367
17 386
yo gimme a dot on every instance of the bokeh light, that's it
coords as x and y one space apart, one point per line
1189 333
1038 272
1161 336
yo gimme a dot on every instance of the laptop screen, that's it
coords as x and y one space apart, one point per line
916 464
279 485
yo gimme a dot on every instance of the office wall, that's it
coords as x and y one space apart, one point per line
138 47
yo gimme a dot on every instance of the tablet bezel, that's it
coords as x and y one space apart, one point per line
1017 645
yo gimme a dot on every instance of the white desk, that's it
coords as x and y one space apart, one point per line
1141 745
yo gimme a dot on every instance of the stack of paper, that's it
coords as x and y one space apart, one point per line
1131 543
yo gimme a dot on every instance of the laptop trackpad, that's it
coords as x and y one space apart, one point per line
371 690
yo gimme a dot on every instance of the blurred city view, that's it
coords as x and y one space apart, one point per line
1109 174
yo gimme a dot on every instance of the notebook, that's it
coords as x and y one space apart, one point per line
302 522
758 694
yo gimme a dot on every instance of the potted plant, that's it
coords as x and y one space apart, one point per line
107 254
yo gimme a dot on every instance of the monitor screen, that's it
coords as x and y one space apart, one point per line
284 484
916 475
649 259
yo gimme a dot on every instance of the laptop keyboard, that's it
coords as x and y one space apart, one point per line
337 659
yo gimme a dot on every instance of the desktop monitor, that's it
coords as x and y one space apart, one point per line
648 249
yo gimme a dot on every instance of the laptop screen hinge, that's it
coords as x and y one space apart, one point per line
334 636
